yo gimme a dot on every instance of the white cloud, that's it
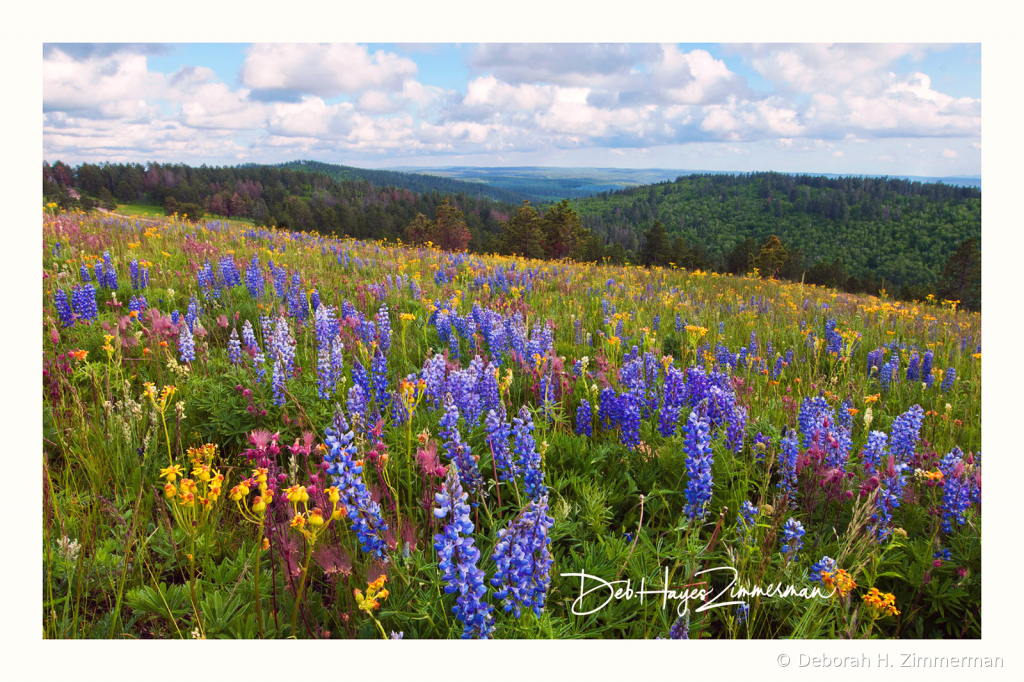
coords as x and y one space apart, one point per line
111 86
105 103
325 70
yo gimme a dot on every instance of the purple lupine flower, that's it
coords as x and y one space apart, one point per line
583 419
956 490
363 513
824 565
681 628
875 451
608 410
384 328
926 365
699 484
458 451
629 419
761 445
890 492
787 466
356 405
234 348
254 278
379 374
746 520
947 379
60 300
524 560
529 461
186 345
458 559
792 538
906 430
672 402
497 439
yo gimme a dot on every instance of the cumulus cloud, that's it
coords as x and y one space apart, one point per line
104 102
287 71
116 85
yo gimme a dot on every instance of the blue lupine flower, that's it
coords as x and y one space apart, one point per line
948 378
234 348
681 628
458 451
324 376
60 300
254 278
379 372
792 538
83 302
874 451
384 328
524 560
83 272
363 513
629 419
888 497
186 345
906 430
913 372
787 466
956 491
529 461
584 415
926 365
356 405
844 418
825 565
699 459
458 559
761 445
672 402
498 430
608 410
137 304
746 520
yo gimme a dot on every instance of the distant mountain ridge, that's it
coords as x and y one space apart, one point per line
542 184
414 182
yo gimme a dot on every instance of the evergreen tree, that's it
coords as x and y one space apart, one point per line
770 258
961 278
523 234
656 250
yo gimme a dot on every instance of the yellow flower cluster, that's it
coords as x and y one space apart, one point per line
883 604
839 580
374 595
239 494
196 495
311 522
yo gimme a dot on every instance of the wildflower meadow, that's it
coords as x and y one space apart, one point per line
256 433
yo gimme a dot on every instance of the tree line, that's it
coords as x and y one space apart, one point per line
856 234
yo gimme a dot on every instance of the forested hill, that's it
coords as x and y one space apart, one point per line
900 230
271 195
416 182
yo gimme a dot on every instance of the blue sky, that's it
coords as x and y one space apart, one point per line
892 109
